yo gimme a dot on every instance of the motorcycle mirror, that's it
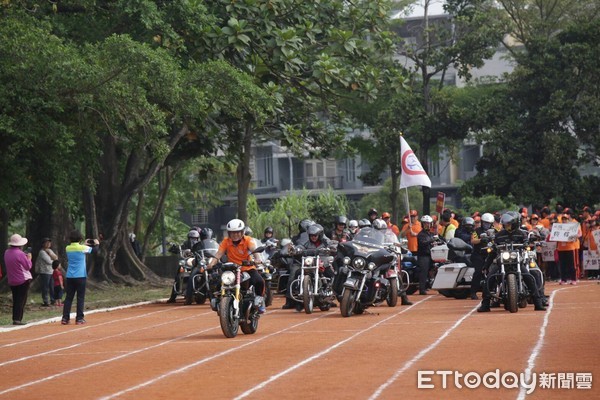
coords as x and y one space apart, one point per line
259 249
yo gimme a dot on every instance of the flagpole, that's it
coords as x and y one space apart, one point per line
408 208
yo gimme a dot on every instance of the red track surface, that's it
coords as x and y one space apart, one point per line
178 352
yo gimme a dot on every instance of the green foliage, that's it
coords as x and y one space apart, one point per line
288 211
381 200
487 203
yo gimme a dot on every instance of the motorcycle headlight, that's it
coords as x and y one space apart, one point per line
189 262
371 266
513 255
505 255
308 261
227 278
347 260
532 264
359 263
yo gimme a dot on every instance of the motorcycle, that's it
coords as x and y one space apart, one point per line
454 271
237 304
184 269
511 289
368 267
281 261
312 287
205 283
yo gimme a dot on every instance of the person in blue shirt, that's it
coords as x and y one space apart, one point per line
76 275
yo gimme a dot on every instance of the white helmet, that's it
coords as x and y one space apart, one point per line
487 217
235 225
379 224
427 218
193 234
353 223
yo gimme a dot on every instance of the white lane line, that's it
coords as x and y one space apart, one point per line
79 329
321 353
538 346
95 340
204 360
56 319
421 354
73 370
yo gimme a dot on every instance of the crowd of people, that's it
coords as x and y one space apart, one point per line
564 266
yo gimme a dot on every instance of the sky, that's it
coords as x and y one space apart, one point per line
435 8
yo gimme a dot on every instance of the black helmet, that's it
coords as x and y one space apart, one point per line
372 211
510 221
206 233
341 220
268 229
304 224
363 223
315 229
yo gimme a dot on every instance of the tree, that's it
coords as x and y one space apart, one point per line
539 126
307 54
463 41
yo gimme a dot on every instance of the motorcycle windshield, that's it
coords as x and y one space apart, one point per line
210 247
368 240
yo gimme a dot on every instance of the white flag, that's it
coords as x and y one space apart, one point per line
413 173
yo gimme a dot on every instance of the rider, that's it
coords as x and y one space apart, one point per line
477 257
238 249
317 240
193 237
364 223
390 237
340 233
205 234
424 241
353 227
269 241
372 215
465 230
510 233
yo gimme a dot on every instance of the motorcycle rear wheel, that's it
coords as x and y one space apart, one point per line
307 295
392 297
251 327
512 303
229 323
347 303
268 294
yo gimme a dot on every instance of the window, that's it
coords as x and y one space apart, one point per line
200 217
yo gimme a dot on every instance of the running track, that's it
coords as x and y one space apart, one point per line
156 351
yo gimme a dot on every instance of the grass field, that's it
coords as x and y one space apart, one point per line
107 296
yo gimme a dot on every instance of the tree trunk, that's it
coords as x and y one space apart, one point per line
424 154
243 174
160 207
394 193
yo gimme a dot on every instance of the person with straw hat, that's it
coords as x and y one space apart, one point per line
18 272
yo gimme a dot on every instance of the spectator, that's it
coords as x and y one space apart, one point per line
386 217
135 245
57 279
448 228
411 230
43 267
18 272
566 254
77 275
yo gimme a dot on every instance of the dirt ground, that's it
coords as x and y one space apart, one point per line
437 348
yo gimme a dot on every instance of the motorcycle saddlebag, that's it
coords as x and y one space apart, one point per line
451 275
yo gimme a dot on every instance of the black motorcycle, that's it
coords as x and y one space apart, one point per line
312 287
205 283
509 287
369 273
184 269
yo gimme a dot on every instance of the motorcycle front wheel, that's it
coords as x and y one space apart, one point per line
392 297
229 322
308 295
347 304
511 293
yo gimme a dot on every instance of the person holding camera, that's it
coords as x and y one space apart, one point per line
76 275
18 272
43 267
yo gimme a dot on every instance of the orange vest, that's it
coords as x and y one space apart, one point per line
412 240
